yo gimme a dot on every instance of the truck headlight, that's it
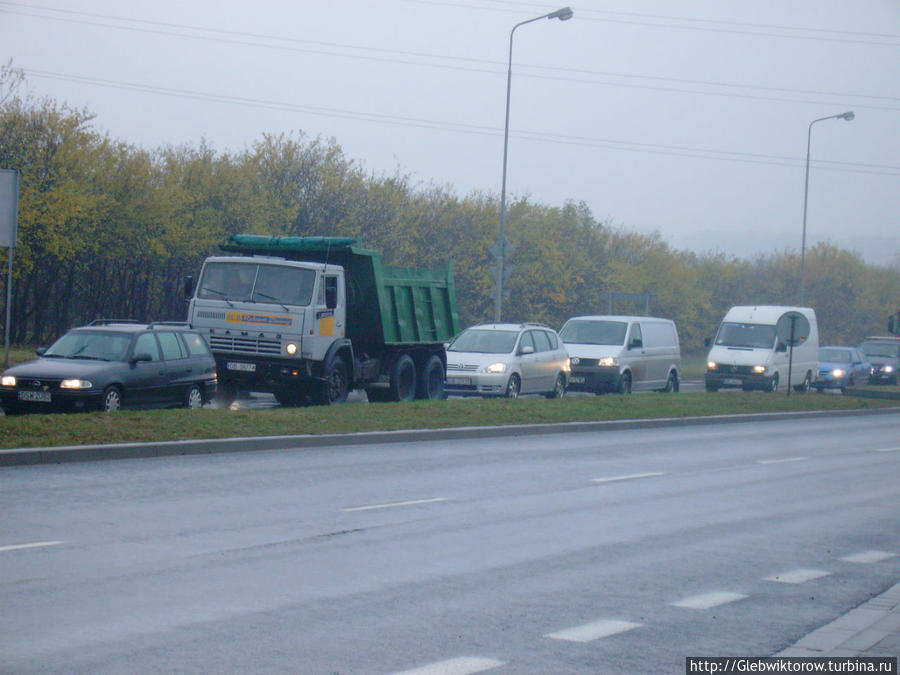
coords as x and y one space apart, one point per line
75 384
759 370
291 348
496 368
838 372
8 381
711 365
608 361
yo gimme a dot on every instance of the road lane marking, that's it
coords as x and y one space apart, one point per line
798 576
373 507
781 461
34 544
464 665
632 476
887 449
594 631
868 557
708 600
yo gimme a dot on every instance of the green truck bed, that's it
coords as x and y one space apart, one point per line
386 305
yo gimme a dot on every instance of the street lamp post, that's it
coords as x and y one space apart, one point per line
843 116
563 14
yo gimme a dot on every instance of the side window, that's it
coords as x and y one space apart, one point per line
541 341
526 341
327 289
194 344
146 344
554 342
635 334
171 346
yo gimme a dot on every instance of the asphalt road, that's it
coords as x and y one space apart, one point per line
615 552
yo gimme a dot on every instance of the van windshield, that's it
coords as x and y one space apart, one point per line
591 332
881 349
257 282
747 335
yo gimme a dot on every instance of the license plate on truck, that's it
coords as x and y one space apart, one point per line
241 366
40 396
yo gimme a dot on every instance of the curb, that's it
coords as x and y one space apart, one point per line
91 453
857 632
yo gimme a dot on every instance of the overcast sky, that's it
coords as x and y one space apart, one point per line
685 118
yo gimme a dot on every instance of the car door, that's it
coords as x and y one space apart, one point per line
179 369
146 377
634 347
528 363
544 348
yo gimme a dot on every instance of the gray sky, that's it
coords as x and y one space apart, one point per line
685 118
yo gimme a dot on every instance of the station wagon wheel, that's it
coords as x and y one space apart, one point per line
559 389
514 386
193 399
112 399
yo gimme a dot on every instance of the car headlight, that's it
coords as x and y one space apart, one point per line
8 381
759 370
75 384
291 348
496 368
711 365
838 372
608 361
889 369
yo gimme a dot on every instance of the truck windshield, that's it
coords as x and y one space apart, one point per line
588 332
257 282
749 335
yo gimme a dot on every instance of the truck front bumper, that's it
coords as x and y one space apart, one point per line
596 380
257 374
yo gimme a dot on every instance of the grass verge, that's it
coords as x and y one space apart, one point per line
162 425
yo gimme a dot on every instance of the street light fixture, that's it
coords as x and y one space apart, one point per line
848 116
563 14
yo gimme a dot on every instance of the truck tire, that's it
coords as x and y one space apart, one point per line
336 385
431 379
403 379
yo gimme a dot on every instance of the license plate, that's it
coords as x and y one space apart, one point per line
244 367
731 380
41 396
459 380
576 379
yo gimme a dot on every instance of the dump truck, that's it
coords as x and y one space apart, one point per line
309 319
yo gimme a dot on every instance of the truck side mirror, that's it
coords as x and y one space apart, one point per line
188 285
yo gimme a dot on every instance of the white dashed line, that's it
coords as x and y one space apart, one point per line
709 600
594 631
868 557
782 461
797 576
414 502
887 449
633 476
34 544
465 665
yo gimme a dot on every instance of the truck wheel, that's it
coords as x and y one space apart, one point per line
403 379
431 379
803 387
336 385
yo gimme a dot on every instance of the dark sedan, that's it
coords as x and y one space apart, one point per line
113 364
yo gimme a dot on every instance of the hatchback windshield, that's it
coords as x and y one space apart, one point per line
253 282
485 341
587 332
82 344
882 349
834 355
750 335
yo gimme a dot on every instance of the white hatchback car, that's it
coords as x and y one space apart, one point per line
503 359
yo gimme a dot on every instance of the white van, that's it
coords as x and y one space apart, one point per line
621 353
746 352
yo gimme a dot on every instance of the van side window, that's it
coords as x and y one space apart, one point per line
635 334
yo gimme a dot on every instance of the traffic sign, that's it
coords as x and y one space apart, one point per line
792 328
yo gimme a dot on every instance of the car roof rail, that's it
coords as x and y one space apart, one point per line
181 324
107 322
